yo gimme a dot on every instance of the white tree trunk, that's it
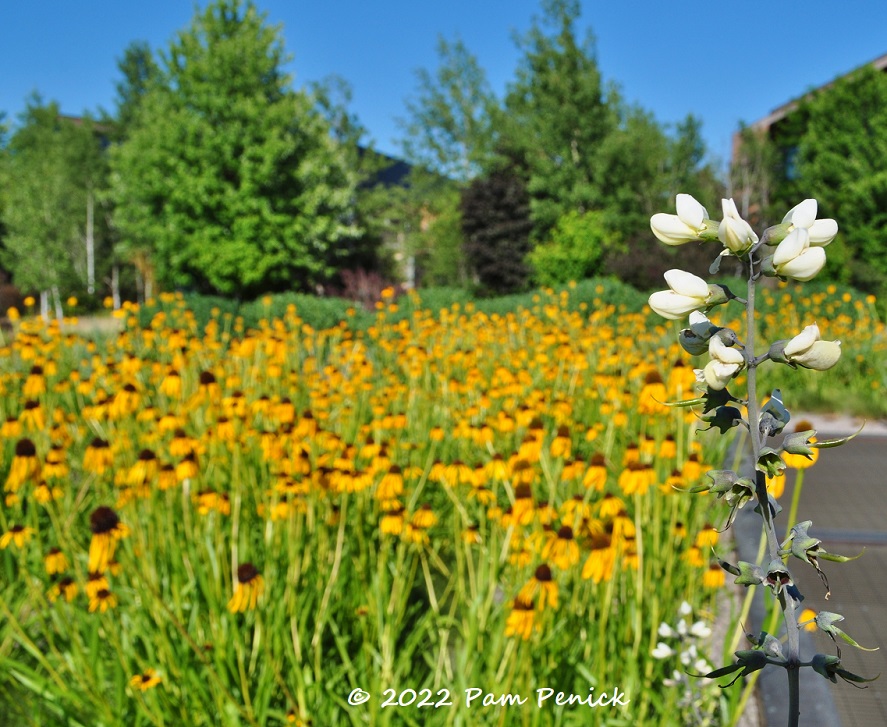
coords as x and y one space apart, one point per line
90 245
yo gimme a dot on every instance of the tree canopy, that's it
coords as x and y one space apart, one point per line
227 175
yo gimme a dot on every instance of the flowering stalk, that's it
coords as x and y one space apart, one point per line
792 250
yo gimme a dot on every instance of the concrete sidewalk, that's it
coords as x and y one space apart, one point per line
845 495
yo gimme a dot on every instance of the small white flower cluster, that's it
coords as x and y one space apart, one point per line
682 643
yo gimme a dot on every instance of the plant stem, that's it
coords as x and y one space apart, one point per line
787 602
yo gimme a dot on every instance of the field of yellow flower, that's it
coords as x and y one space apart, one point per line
222 524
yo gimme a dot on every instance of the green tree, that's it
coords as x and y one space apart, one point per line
54 169
574 251
559 116
451 127
229 176
496 225
139 72
843 160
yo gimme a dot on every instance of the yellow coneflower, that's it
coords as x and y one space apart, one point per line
145 681
11 428
679 530
144 470
776 485
596 475
25 465
17 535
713 577
523 509
693 556
707 537
65 588
95 582
44 493
55 466
106 531
208 387
807 619
675 481
692 469
187 468
32 416
561 445
436 434
801 461
181 444
392 522
542 584
522 618
249 587
391 485
530 449
171 386
610 506
167 477
102 601
55 561
562 550
35 384
471 535
423 517
601 560
98 457
668 447
653 395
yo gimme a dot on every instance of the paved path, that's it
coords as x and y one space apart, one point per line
845 495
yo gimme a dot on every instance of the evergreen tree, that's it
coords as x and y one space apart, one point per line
229 177
496 225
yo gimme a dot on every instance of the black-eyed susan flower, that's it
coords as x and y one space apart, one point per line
95 582
562 443
65 588
35 384
807 619
424 517
521 619
707 537
595 477
55 561
148 679
106 531
171 386
17 535
102 600
247 590
668 447
653 395
471 535
167 477
522 510
598 566
55 466
713 577
33 417
187 467
563 550
11 428
144 470
776 485
542 584
391 485
25 465
392 522
98 456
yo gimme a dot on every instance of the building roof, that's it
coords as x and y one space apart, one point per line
781 112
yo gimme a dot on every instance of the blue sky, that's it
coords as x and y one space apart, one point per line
723 62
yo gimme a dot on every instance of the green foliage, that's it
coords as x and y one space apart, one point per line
229 177
559 116
451 127
496 226
52 167
575 250
139 71
843 156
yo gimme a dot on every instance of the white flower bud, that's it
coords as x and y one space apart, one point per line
688 293
794 258
687 225
736 234
807 350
